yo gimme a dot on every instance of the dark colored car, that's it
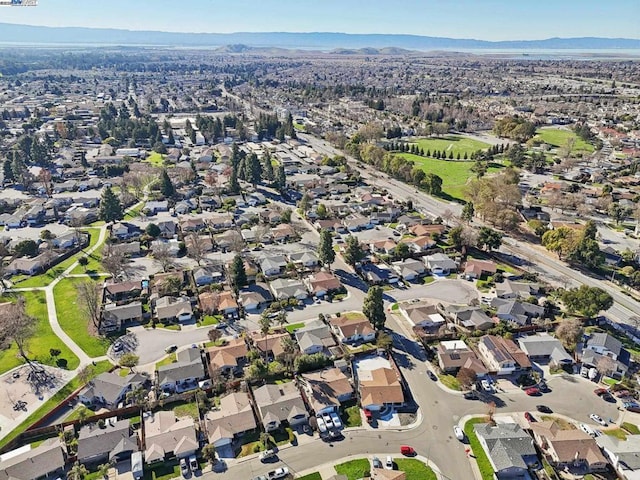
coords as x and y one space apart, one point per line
432 375
470 396
543 409
528 417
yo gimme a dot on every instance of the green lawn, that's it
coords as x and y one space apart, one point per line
187 410
73 321
311 476
415 469
619 433
169 359
294 326
354 469
134 212
558 138
351 417
50 275
486 470
207 320
156 159
43 339
63 393
452 143
94 265
450 381
454 174
631 428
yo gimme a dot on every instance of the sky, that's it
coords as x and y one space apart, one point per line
479 19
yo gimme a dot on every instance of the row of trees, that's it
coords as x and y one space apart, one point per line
578 247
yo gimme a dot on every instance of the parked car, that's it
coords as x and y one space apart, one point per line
281 472
486 386
321 425
600 391
587 429
543 409
335 418
607 397
368 415
632 407
432 375
267 455
376 463
533 391
184 468
528 417
389 463
171 348
193 463
470 395
407 451
623 393
327 420
457 431
598 419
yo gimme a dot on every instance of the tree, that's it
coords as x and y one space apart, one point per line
285 216
432 183
569 332
321 211
489 239
305 203
280 182
18 327
265 327
586 300
254 169
373 307
54 352
110 207
26 248
209 453
384 341
8 172
114 262
103 470
153 230
267 168
90 301
606 365
196 247
77 472
562 241
326 253
618 212
128 360
214 335
353 252
290 351
163 256
466 377
467 212
83 262
166 186
238 273
402 250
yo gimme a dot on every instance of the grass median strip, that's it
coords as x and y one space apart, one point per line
484 465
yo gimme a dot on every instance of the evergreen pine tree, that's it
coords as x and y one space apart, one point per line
110 206
166 187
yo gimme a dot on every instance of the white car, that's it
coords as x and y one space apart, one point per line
184 468
587 429
598 419
278 473
389 463
327 420
321 425
336 420
486 386
457 431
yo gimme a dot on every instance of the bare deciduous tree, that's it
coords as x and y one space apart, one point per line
16 326
114 262
569 332
89 301
196 246
162 255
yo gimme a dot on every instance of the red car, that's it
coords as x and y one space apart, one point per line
368 415
600 391
528 417
407 451
532 391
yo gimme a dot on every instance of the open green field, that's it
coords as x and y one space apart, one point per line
354 469
156 159
44 279
558 138
72 319
64 392
451 143
43 339
94 265
454 174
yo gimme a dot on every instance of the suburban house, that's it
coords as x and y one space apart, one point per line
166 436
624 455
502 355
305 259
568 448
29 266
117 292
207 276
182 375
352 328
453 354
518 312
477 268
321 283
326 389
543 348
233 417
218 302
47 460
509 448
109 389
115 316
422 314
419 244
440 264
378 274
284 288
273 266
379 388
280 403
228 358
115 442
173 309
314 337
604 351
270 344
471 318
255 296
129 249
154 207
409 269
510 289
386 246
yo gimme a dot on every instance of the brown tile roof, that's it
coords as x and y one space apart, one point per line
569 444
350 326
272 342
326 386
234 415
227 355
382 387
324 281
480 266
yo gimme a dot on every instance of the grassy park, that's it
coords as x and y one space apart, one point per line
451 144
559 137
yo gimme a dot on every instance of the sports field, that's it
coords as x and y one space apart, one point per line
451 143
558 138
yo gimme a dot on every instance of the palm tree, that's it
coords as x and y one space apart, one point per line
265 326
281 319
77 472
289 349
103 470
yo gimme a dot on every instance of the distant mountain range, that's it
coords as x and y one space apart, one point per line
315 41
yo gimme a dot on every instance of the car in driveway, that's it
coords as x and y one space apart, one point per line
267 455
528 417
632 407
470 396
376 463
598 419
543 409
184 468
459 434
600 391
486 386
171 348
193 463
278 473
388 464
587 429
